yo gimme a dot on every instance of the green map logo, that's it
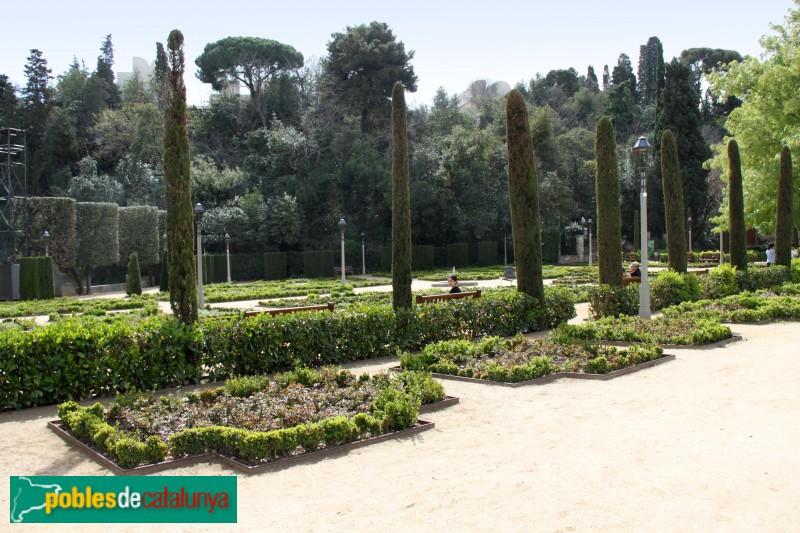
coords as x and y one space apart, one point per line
135 499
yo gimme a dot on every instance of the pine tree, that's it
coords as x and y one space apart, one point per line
609 231
651 71
178 194
105 72
736 226
679 111
523 195
673 202
783 221
133 281
401 203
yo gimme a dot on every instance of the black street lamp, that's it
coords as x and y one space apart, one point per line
46 236
363 257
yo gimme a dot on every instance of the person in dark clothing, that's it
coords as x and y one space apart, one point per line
452 280
635 272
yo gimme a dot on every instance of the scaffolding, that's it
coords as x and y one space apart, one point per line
13 187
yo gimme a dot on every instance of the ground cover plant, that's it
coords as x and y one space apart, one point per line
70 305
489 272
742 307
680 329
521 359
253 419
231 292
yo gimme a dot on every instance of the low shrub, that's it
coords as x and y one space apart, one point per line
741 308
670 288
613 301
719 282
681 330
754 279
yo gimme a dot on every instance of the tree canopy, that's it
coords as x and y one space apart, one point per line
768 118
252 61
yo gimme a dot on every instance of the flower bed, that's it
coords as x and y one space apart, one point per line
252 420
521 359
744 307
680 330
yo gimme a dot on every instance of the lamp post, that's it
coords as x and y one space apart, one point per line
585 235
198 216
641 149
46 236
590 242
689 220
363 257
342 227
505 252
228 254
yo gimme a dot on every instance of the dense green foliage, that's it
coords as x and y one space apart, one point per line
57 216
783 221
178 196
763 125
742 307
133 280
671 288
81 358
736 220
35 278
401 203
683 330
523 194
138 232
609 233
673 202
140 429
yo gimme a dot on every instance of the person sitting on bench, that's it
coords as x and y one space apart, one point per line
452 280
634 271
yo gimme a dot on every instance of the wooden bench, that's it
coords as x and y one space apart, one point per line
710 258
348 271
287 310
433 298
629 257
632 279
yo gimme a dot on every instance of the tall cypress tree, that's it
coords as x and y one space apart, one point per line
401 203
609 222
679 111
523 195
783 221
673 202
178 193
736 224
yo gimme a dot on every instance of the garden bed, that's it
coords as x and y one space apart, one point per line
549 378
525 361
252 423
58 428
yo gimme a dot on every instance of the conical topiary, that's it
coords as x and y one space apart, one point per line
523 195
783 221
133 281
609 222
736 226
673 202
401 203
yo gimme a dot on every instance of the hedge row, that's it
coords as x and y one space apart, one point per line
36 278
78 359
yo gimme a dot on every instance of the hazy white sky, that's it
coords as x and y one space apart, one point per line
454 42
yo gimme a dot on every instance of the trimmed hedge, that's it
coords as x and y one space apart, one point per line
458 254
36 278
318 264
551 243
275 265
487 253
422 257
77 359
247 267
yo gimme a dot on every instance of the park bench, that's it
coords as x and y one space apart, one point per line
287 310
632 279
509 274
348 270
629 257
709 258
433 298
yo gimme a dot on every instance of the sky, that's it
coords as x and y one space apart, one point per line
454 43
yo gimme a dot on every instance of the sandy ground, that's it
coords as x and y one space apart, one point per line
707 442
